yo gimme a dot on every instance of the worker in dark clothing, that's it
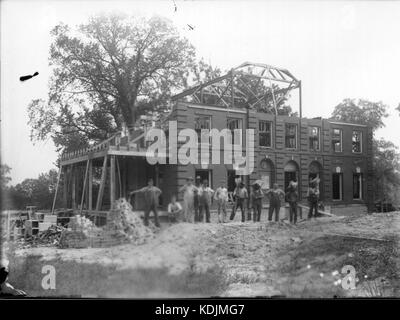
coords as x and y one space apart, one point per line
275 194
205 199
312 197
240 194
151 196
256 201
292 197
196 199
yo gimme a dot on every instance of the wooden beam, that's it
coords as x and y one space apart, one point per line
319 211
112 181
65 188
84 186
73 186
300 102
119 178
102 184
55 194
124 176
90 186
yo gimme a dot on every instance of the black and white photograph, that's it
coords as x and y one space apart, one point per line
179 149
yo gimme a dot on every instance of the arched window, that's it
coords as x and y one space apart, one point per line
357 184
267 173
291 172
337 184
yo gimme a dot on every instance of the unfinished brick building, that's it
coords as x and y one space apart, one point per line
286 147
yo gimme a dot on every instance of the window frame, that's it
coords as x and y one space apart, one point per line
240 121
265 132
352 141
341 139
295 138
360 182
319 138
341 194
199 140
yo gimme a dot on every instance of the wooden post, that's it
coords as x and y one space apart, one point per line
112 181
102 184
124 177
65 188
232 90
119 179
300 101
90 186
84 186
55 194
73 186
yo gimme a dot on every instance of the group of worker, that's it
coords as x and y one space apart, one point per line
198 196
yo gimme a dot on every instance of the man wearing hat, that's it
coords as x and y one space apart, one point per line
151 197
240 194
188 199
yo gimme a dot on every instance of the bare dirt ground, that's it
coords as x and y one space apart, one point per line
233 259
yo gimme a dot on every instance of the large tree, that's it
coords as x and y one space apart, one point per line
386 160
108 72
35 192
362 111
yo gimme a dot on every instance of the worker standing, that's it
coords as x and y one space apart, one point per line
205 201
240 195
221 195
188 199
312 197
256 202
196 199
275 194
151 198
292 197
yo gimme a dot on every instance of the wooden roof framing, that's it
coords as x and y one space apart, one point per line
226 88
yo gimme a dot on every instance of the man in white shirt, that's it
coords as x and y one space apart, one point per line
174 210
188 199
221 195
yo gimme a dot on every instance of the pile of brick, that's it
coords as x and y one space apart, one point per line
123 226
81 224
124 219
73 239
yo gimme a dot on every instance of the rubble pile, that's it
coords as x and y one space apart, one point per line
82 224
123 226
73 239
52 235
124 219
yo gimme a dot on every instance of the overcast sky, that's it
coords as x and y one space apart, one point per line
338 49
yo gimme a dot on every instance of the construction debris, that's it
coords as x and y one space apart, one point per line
123 218
123 226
